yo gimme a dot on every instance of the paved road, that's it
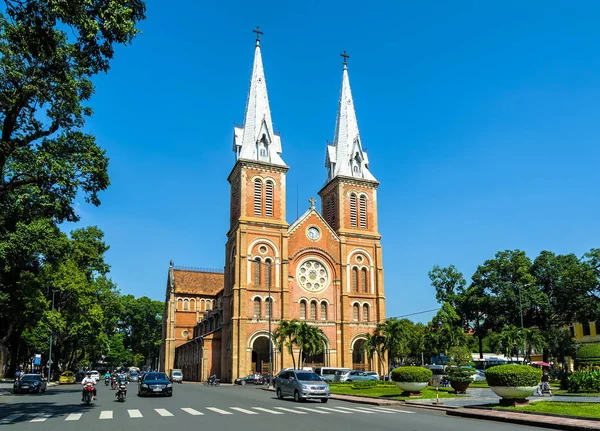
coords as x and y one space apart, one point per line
225 408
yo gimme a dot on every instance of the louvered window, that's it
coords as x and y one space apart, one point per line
257 197
302 309
269 198
268 273
257 307
365 315
363 280
354 279
323 311
256 264
269 304
363 212
333 211
355 312
313 310
352 210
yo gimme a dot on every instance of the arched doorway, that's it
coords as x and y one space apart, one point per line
260 355
359 359
317 360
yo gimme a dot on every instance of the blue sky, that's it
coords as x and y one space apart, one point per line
481 122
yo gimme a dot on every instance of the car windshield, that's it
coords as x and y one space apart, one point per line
155 376
30 378
308 377
176 373
133 373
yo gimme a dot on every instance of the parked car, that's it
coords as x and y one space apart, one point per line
251 379
95 375
301 385
66 378
354 376
373 373
328 373
479 376
133 376
155 384
176 376
30 383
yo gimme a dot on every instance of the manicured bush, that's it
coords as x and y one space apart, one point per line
585 380
365 384
513 375
411 374
460 374
588 354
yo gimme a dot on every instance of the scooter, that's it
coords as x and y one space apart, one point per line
88 393
122 392
113 382
106 381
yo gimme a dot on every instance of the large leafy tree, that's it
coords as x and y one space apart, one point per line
141 323
285 336
445 331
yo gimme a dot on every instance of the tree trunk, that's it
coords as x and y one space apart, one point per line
480 339
4 352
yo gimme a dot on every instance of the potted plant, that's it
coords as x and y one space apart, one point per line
513 383
412 380
460 378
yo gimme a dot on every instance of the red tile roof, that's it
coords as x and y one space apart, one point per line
198 282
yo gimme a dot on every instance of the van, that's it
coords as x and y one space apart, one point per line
328 373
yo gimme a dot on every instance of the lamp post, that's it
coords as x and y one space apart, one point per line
50 352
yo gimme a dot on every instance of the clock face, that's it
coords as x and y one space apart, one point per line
313 233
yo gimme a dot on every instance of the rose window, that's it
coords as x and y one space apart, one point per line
313 276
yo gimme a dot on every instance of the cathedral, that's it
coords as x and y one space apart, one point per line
325 268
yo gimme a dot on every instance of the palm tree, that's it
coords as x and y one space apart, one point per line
510 340
285 335
374 344
534 341
310 340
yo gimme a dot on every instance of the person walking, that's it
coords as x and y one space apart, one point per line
546 382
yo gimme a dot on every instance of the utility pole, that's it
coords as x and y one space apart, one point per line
50 352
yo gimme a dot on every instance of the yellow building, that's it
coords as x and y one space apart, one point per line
585 333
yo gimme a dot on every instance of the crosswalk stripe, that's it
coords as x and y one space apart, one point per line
41 417
335 410
191 411
74 417
392 410
285 409
313 410
106 414
375 410
262 409
135 413
8 419
216 410
239 409
356 409
163 412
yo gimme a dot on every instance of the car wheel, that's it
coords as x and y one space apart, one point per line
170 394
243 383
297 397
279 394
324 400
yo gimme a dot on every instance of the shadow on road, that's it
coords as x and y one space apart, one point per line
33 408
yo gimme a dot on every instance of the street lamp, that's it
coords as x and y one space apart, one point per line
50 352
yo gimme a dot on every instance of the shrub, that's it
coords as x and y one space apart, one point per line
411 374
588 354
365 384
585 380
513 375
460 374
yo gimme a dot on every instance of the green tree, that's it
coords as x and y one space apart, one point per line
118 355
374 345
508 341
397 336
311 340
140 320
445 331
285 336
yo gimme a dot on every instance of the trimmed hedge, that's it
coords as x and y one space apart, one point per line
588 354
513 375
411 374
460 374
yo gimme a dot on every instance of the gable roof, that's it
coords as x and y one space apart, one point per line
198 282
305 216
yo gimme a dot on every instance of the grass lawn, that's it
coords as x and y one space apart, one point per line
564 392
479 384
391 392
590 410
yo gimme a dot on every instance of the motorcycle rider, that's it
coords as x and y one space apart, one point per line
84 381
121 378
212 378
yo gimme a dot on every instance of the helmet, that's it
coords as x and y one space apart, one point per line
89 373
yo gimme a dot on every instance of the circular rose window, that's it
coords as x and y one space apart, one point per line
312 275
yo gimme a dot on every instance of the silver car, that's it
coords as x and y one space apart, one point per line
355 376
301 385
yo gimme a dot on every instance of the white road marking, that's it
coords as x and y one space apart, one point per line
313 410
216 410
74 417
376 410
239 409
8 419
392 410
285 409
191 411
262 409
41 417
134 413
354 409
163 412
335 410
106 414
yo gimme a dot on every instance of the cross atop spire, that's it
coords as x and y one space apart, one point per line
258 33
312 201
346 57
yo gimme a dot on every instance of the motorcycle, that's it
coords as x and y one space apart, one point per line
113 382
122 392
212 382
106 381
88 393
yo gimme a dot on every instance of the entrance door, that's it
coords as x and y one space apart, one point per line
260 355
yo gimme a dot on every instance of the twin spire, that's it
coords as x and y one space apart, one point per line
256 140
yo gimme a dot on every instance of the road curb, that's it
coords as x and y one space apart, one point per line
527 419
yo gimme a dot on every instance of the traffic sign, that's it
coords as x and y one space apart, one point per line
37 359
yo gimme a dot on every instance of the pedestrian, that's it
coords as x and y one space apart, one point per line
546 382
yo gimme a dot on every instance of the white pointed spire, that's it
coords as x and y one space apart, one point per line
346 156
256 140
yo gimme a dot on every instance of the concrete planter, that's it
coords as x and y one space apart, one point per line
514 392
412 387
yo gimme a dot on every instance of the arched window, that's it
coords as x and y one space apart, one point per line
256 264
363 212
365 315
354 279
256 307
257 197
323 310
313 310
268 272
208 305
269 304
179 304
193 305
303 310
269 198
355 312
363 280
186 305
352 210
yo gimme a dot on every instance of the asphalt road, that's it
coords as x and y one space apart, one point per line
224 408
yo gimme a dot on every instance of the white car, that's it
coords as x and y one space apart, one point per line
479 376
95 375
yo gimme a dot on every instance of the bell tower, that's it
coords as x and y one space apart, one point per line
257 220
